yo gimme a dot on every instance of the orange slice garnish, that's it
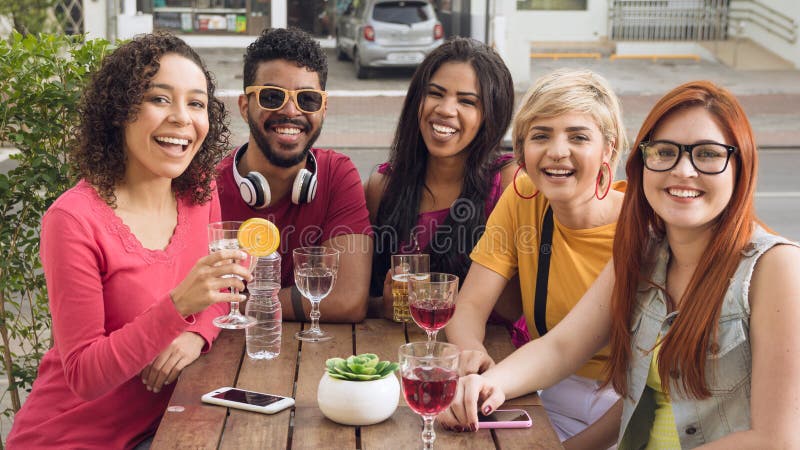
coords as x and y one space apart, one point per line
259 237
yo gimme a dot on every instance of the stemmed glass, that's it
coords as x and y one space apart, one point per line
224 236
315 271
429 371
403 267
432 300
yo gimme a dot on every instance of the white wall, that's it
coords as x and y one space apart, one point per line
524 27
477 17
94 18
279 12
5 26
588 25
787 51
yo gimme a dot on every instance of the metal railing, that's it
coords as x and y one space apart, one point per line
668 20
765 17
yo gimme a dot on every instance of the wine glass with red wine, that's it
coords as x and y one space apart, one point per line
432 300
429 371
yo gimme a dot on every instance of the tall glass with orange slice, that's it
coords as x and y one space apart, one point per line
256 237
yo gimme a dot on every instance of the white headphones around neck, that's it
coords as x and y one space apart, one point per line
255 190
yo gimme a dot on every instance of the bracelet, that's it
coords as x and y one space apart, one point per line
297 304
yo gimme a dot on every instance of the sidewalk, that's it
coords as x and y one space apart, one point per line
362 114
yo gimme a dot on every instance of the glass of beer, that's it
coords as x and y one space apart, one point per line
403 266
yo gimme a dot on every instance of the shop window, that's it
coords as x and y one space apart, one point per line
561 5
201 16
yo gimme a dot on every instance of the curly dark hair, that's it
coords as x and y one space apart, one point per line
291 44
112 99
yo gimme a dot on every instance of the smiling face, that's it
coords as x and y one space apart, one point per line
451 113
286 135
171 122
683 197
563 155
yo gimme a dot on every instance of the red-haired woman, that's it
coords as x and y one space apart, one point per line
700 305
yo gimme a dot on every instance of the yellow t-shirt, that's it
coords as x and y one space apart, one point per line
510 244
664 434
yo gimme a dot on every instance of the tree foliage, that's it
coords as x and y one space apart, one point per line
41 79
30 16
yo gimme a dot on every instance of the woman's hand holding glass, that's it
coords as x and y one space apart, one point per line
473 391
204 284
225 236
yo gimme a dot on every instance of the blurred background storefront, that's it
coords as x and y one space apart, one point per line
241 17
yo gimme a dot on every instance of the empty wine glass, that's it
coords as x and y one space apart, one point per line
224 236
429 371
432 300
315 270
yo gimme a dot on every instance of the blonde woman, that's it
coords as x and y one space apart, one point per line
568 137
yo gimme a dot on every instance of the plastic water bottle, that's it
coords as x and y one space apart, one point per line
268 269
263 339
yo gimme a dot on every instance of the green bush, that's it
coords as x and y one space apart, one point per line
41 79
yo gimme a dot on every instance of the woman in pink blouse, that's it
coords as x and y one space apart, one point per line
131 286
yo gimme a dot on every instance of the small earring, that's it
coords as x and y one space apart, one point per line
514 182
599 179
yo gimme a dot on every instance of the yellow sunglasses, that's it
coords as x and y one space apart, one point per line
273 98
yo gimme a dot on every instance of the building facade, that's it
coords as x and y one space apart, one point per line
514 27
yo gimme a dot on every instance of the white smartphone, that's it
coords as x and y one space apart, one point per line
248 400
505 418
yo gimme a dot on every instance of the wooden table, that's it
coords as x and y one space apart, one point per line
190 424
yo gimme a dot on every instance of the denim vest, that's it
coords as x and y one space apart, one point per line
728 371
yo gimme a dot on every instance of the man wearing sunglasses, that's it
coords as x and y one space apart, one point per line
314 196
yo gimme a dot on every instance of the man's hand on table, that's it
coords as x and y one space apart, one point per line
168 365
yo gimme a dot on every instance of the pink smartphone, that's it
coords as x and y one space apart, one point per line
505 418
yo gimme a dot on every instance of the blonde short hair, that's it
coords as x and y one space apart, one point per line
568 91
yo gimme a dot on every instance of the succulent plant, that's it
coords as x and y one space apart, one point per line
363 367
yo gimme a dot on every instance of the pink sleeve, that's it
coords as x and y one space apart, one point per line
95 361
347 210
203 325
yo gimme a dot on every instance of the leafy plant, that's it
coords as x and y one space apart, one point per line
41 79
363 367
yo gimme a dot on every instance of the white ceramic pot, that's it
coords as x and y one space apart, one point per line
358 402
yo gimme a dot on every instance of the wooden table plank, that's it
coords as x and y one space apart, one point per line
200 425
312 359
384 337
404 430
380 336
245 429
311 429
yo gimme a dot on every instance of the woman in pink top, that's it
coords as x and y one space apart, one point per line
125 252
445 171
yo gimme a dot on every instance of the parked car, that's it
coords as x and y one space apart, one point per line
387 33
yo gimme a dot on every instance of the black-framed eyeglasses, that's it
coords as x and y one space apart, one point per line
709 158
273 98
